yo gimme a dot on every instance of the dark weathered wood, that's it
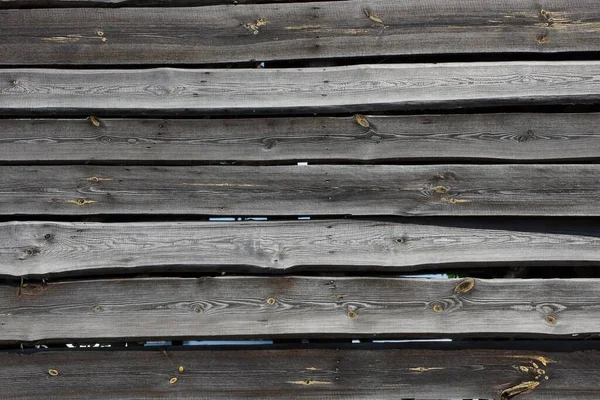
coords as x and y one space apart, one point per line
551 189
254 307
132 3
295 31
304 373
370 87
429 137
41 248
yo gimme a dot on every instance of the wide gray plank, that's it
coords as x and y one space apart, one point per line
231 33
255 307
429 137
303 373
411 190
42 248
342 89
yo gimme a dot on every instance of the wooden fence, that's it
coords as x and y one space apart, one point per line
176 171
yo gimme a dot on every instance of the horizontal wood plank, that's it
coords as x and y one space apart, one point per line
49 248
516 137
264 32
304 373
461 190
340 89
131 3
255 307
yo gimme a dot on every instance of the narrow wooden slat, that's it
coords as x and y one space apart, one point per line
304 373
131 3
551 190
518 137
254 307
342 89
231 33
42 248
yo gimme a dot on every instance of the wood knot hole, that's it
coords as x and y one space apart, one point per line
437 308
401 240
464 286
270 301
551 320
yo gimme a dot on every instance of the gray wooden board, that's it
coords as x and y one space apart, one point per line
518 137
132 3
43 248
308 373
295 31
324 307
340 89
542 190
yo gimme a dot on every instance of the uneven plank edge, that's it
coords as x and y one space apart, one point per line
340 89
510 136
49 248
303 373
7 4
355 28
545 190
251 307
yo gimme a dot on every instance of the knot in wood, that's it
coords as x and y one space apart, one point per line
446 305
465 286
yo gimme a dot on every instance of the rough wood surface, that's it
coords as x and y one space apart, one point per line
132 3
319 139
308 373
42 248
232 33
340 89
255 307
542 190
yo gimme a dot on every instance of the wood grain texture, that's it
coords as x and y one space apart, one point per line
295 31
43 248
255 307
131 3
517 137
461 190
305 373
340 89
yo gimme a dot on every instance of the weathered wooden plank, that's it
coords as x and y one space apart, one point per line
429 137
255 307
42 248
370 87
132 3
550 189
231 33
303 373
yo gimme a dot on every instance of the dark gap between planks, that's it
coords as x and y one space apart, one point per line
341 61
158 114
541 271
